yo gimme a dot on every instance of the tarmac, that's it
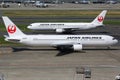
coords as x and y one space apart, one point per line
45 63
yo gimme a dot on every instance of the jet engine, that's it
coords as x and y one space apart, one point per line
77 47
60 30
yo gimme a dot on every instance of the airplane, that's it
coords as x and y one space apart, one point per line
69 27
61 42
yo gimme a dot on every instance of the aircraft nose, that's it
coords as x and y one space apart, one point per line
115 41
29 27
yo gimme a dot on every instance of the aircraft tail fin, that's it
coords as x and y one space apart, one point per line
100 18
11 28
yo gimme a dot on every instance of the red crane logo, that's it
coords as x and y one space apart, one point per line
11 29
100 18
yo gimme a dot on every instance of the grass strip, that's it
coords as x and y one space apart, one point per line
54 13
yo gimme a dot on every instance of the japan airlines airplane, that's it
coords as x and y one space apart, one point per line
69 27
75 42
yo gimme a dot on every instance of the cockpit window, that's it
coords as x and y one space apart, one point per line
30 25
114 38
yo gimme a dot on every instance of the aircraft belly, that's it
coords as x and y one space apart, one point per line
95 43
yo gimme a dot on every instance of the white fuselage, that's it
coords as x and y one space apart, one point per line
48 26
56 40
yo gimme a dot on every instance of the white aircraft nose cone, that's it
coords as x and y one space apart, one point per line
115 41
29 27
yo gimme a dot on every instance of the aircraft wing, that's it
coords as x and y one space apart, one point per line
68 45
65 43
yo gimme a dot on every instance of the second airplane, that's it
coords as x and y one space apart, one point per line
69 27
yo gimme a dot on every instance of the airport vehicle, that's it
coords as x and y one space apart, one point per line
69 27
117 77
4 5
87 72
61 42
84 2
111 2
98 1
40 4
29 1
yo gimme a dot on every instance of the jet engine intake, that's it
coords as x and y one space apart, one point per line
77 47
60 30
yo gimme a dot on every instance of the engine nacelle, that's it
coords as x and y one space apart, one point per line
77 47
60 30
